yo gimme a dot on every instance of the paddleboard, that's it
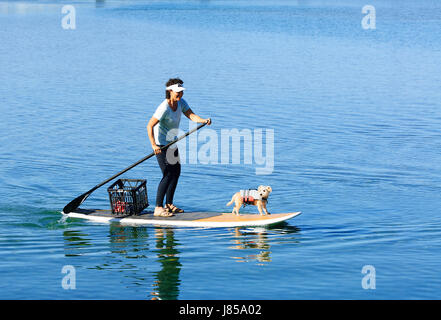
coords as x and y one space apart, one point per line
186 219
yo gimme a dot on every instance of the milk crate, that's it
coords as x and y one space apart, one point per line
128 196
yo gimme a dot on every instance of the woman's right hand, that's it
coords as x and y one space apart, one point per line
156 149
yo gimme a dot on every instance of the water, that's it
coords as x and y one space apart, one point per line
356 115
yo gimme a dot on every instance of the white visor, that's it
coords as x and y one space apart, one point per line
176 87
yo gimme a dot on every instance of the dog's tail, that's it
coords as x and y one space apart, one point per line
232 200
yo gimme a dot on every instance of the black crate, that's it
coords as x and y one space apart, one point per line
128 196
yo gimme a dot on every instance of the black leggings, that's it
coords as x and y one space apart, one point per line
170 176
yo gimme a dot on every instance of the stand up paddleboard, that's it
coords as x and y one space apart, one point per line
186 219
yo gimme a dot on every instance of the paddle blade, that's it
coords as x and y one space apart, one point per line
75 203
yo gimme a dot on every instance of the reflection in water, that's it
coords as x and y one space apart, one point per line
74 241
258 238
133 243
130 250
284 228
166 286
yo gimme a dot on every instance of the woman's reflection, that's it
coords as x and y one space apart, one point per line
166 285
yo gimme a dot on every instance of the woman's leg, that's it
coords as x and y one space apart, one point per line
175 172
173 182
170 176
165 181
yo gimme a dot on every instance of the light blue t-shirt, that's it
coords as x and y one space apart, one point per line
168 120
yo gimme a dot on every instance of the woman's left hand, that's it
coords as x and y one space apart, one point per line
208 121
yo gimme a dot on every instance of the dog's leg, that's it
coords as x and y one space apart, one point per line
235 200
264 208
234 208
259 206
237 207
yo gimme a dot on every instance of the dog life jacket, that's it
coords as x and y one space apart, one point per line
248 196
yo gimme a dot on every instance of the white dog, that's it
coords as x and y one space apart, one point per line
257 197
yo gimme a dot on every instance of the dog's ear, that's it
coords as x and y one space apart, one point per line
269 189
260 187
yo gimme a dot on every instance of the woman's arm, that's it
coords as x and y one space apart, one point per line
194 117
153 121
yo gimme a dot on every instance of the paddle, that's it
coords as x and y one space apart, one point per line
75 203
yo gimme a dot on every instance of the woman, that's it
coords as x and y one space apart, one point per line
166 118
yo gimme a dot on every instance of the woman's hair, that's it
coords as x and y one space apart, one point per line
171 82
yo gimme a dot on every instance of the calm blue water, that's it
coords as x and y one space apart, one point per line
356 115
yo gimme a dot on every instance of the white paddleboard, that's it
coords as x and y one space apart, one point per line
186 219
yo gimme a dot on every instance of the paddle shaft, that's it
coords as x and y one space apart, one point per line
79 200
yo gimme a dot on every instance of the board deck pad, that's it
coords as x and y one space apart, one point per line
187 219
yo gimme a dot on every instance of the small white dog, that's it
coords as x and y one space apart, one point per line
257 197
